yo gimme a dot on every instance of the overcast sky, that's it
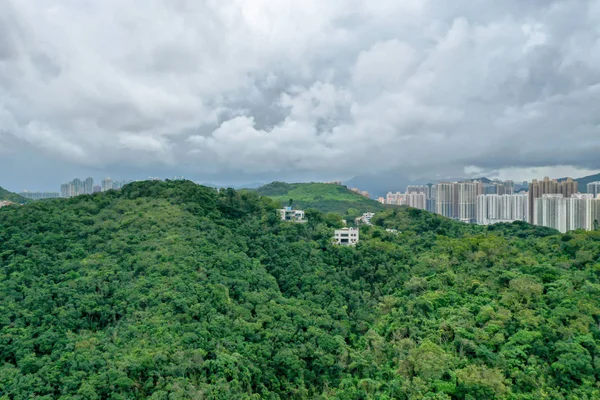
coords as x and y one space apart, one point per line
247 90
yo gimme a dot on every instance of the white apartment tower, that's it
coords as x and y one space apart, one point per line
493 208
593 189
107 184
445 193
467 201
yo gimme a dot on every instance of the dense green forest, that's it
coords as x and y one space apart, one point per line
170 290
320 196
10 196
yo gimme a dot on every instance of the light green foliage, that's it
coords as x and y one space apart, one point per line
320 196
170 290
15 198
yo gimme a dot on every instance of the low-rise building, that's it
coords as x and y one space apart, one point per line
4 203
289 214
365 219
346 236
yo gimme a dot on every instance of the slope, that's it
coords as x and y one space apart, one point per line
320 196
9 196
173 290
583 182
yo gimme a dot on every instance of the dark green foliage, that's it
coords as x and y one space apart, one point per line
10 196
169 290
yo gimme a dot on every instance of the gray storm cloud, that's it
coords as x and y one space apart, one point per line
262 86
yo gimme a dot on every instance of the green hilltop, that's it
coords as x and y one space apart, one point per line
323 197
170 290
10 196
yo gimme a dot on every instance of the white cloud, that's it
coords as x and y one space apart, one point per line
342 86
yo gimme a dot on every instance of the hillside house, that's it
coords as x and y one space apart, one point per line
346 236
288 214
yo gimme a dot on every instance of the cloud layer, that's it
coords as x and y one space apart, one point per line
333 87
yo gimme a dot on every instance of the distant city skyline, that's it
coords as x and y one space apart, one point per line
240 180
546 202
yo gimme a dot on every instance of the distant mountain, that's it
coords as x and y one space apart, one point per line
321 196
583 182
10 196
379 184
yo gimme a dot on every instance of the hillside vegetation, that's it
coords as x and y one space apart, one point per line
320 196
170 290
10 196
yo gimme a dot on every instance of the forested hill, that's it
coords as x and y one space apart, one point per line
9 196
169 290
320 196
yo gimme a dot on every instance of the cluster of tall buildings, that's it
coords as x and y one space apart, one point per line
580 211
549 202
78 187
456 200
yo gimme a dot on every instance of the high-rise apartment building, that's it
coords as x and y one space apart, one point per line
431 196
107 184
446 198
64 190
467 200
96 189
417 189
88 186
415 200
77 187
580 211
495 208
549 186
393 198
593 189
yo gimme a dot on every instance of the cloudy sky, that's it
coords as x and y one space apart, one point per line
246 90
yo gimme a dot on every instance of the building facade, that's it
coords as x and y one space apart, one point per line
107 184
493 208
445 198
549 186
346 236
579 211
289 214
467 201
40 195
593 189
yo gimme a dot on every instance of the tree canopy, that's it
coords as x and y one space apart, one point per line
170 290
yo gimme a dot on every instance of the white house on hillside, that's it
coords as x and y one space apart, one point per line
346 236
288 214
